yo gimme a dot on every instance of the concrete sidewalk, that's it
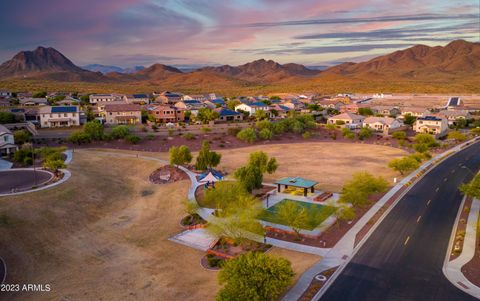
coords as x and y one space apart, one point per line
453 269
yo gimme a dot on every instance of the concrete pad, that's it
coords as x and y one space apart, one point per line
199 239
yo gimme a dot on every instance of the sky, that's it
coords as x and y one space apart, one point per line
126 33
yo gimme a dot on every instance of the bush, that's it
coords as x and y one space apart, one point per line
20 155
120 131
79 137
307 135
399 135
21 137
404 165
94 129
248 135
265 134
7 117
150 137
365 133
214 261
233 131
132 139
189 136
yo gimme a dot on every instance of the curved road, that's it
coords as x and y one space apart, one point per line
404 256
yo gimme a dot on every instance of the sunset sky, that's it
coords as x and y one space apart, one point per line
189 32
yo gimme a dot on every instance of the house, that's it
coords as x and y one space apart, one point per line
168 97
191 105
7 142
431 125
33 101
102 98
68 101
382 124
251 108
347 120
330 104
386 110
212 96
454 115
123 114
281 110
214 103
140 99
4 102
59 116
414 111
294 104
167 114
228 115
353 107
5 93
198 97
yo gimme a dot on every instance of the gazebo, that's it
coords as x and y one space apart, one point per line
297 182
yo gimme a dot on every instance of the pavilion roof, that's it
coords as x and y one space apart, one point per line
296 182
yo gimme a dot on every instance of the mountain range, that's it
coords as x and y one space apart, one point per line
459 61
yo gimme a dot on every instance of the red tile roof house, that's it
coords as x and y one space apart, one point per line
123 114
168 114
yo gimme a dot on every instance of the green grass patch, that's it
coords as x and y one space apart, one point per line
316 213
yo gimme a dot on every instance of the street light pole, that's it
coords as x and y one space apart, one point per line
33 162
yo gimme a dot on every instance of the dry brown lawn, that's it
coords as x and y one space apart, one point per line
328 163
103 236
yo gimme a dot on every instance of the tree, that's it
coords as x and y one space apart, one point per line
265 134
54 164
205 115
180 155
251 175
425 139
120 131
409 119
206 158
7 117
403 165
365 133
475 131
79 137
457 136
21 136
224 194
360 187
345 213
231 104
264 124
248 135
313 107
399 135
293 215
472 189
347 133
254 276
261 115
94 129
365 111
238 220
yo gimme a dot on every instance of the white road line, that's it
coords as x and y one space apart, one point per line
406 241
445 180
419 217
428 203
437 189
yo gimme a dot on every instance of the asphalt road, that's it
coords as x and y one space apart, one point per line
403 258
21 179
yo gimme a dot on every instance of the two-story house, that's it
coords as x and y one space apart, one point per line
103 98
59 116
431 125
167 114
122 114
7 142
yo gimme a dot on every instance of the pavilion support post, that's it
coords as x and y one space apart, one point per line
305 191
278 187
312 189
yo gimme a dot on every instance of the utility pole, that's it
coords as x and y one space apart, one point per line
33 162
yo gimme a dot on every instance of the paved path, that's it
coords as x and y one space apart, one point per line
343 250
4 164
453 269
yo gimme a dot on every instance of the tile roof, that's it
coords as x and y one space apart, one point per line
122 107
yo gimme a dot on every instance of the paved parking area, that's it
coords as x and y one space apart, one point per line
22 179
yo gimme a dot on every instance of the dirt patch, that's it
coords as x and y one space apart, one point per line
316 285
167 174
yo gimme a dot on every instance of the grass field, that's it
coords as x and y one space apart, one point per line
316 213
328 163
103 235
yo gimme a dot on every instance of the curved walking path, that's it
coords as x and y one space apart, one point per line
453 269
